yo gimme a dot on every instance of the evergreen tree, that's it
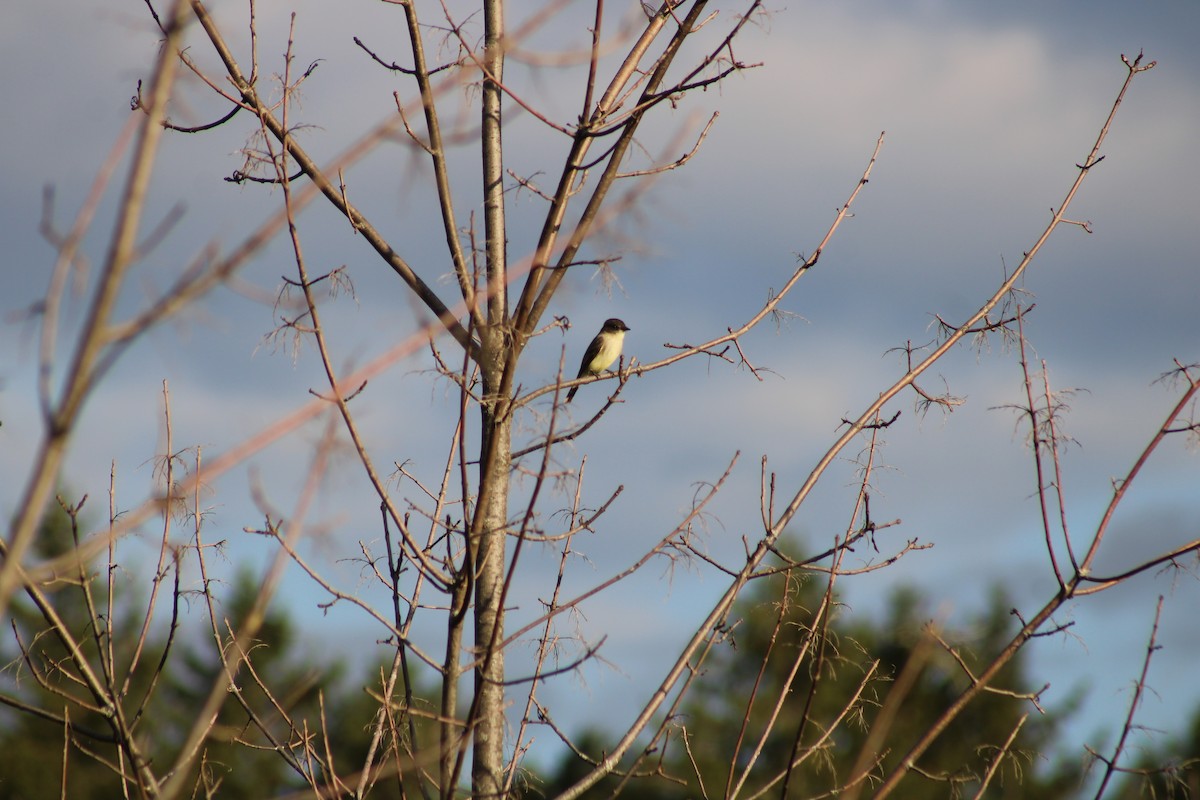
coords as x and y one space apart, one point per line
40 676
159 692
837 700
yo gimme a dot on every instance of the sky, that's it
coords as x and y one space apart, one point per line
987 108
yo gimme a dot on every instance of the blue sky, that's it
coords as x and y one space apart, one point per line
987 108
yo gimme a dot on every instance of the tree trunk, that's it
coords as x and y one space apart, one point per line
491 513
487 769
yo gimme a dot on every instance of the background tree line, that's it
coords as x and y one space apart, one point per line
1011 741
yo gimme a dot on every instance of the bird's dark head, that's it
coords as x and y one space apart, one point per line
614 324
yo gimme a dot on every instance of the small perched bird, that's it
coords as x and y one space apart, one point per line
604 350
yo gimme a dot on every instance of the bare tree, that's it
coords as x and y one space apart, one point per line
451 551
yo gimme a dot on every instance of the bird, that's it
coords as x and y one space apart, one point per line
604 350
